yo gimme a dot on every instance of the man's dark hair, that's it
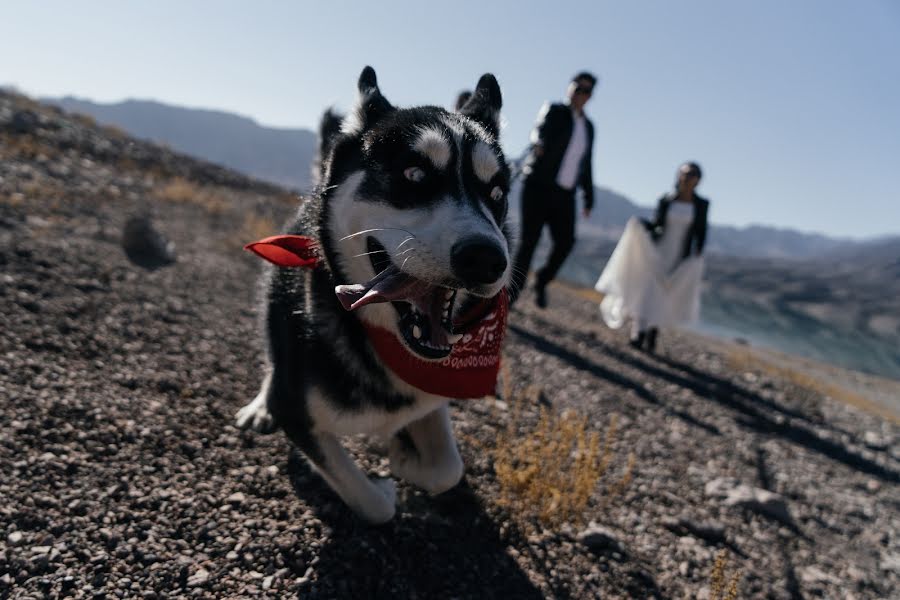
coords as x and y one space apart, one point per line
462 99
692 169
586 75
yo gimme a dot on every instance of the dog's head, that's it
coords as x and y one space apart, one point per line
414 224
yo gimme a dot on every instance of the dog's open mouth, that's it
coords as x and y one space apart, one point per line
425 309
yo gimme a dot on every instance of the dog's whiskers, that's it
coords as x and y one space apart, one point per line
372 252
365 231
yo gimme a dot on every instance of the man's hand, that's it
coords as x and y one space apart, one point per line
586 213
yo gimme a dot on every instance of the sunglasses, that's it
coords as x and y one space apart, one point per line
583 90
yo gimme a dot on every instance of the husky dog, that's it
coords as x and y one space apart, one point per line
410 222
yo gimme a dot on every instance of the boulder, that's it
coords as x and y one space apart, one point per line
145 246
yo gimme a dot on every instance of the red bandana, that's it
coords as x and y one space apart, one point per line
474 362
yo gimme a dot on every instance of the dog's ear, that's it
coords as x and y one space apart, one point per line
485 103
371 105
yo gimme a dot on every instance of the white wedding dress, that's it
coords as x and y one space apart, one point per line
650 283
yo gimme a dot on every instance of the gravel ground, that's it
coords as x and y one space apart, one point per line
122 474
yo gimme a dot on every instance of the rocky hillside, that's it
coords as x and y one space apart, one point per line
122 473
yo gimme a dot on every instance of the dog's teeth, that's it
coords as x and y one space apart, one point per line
454 337
417 331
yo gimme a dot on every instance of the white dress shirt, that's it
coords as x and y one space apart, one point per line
567 176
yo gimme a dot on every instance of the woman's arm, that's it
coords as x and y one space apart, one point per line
702 220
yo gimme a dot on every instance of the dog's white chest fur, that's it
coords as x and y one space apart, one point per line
330 417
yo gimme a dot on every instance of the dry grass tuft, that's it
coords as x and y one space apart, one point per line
84 120
25 147
723 587
179 189
549 471
114 132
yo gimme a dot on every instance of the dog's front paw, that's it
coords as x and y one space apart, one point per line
382 506
435 477
256 416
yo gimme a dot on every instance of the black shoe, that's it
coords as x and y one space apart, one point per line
651 340
638 341
540 296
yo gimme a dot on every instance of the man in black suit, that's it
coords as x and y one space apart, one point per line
559 161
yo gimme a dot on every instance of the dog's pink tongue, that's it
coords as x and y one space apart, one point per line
391 284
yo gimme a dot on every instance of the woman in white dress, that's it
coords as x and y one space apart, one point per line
653 276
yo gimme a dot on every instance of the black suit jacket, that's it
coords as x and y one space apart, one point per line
696 234
552 133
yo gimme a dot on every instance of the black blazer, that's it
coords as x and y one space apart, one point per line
696 234
552 133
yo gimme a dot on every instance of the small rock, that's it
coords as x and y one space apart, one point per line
198 578
236 498
890 562
23 121
875 441
14 538
145 246
600 539
720 486
760 501
709 531
812 575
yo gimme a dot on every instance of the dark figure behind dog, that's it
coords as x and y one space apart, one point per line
559 161
461 99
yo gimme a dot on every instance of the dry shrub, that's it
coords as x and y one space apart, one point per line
25 146
84 120
14 199
179 189
549 471
721 586
114 132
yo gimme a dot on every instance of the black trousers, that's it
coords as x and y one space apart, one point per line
544 204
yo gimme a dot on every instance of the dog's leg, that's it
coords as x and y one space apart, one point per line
256 414
372 499
433 463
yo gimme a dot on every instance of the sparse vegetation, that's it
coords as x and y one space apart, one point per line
548 470
744 360
179 189
722 586
26 147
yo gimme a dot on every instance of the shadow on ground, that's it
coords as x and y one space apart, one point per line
442 547
753 411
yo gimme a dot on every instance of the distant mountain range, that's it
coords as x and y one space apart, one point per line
828 298
284 157
281 156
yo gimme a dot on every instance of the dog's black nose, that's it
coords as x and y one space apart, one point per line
477 260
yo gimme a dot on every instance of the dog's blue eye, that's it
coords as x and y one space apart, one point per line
414 174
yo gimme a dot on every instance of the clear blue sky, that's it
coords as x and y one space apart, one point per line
792 108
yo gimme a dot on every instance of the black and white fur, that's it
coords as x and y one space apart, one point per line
422 182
